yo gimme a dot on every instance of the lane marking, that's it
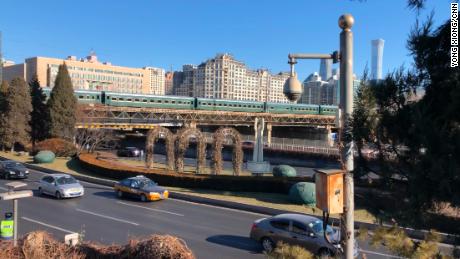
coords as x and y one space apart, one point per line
222 208
152 209
48 225
377 253
108 217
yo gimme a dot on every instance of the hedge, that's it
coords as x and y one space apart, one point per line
170 178
60 147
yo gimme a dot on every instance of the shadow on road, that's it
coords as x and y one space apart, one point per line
239 242
106 194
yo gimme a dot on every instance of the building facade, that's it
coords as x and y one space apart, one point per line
223 77
169 83
90 74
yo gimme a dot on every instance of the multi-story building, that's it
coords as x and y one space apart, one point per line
223 77
169 83
157 80
90 74
185 82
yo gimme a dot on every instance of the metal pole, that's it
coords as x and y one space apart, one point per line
15 222
346 95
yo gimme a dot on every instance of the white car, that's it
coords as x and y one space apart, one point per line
60 186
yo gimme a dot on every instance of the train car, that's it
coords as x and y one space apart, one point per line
284 108
148 101
328 110
305 109
83 96
228 105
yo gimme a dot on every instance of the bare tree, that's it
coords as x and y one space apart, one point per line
90 139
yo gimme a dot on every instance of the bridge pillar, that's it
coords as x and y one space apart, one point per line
258 165
269 133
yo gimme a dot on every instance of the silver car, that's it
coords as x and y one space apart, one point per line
60 186
297 229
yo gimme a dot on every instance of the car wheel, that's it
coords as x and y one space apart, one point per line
119 194
40 190
325 253
267 244
58 195
143 198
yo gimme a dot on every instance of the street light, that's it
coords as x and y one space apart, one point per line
15 195
293 90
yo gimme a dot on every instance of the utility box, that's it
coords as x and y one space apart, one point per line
329 190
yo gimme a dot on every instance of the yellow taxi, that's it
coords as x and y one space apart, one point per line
140 187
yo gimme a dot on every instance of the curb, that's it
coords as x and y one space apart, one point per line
412 233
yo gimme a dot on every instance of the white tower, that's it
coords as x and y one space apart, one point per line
325 69
376 58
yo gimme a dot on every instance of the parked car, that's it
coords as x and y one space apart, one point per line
141 187
13 170
297 229
129 152
60 186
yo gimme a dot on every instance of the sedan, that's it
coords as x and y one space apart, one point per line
60 186
12 169
140 187
129 152
297 229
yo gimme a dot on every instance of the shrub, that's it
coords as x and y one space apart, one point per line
40 244
284 170
44 157
60 147
303 193
285 251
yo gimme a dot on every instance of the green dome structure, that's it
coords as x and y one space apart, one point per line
44 157
284 171
303 193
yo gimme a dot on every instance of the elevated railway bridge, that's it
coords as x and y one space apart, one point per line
131 118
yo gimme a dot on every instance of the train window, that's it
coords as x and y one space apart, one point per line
129 100
97 97
92 97
114 99
121 99
144 100
80 97
166 101
136 100
179 102
173 101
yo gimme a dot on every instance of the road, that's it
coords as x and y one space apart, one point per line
211 232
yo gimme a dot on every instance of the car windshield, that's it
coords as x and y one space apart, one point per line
147 183
317 227
13 164
66 180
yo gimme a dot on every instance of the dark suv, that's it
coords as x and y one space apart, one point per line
13 169
129 152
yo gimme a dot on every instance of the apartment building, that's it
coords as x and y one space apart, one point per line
90 74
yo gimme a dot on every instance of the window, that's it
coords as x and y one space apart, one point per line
126 182
299 228
282 224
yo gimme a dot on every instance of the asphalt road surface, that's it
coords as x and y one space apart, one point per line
211 232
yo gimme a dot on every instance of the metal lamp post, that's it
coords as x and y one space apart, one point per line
293 91
15 195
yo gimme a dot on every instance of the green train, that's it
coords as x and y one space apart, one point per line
193 103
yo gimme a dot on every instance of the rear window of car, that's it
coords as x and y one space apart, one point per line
66 180
126 182
280 224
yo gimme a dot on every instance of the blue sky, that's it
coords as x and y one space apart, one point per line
260 33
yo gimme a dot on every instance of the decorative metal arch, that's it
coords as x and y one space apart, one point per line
183 141
152 136
237 159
